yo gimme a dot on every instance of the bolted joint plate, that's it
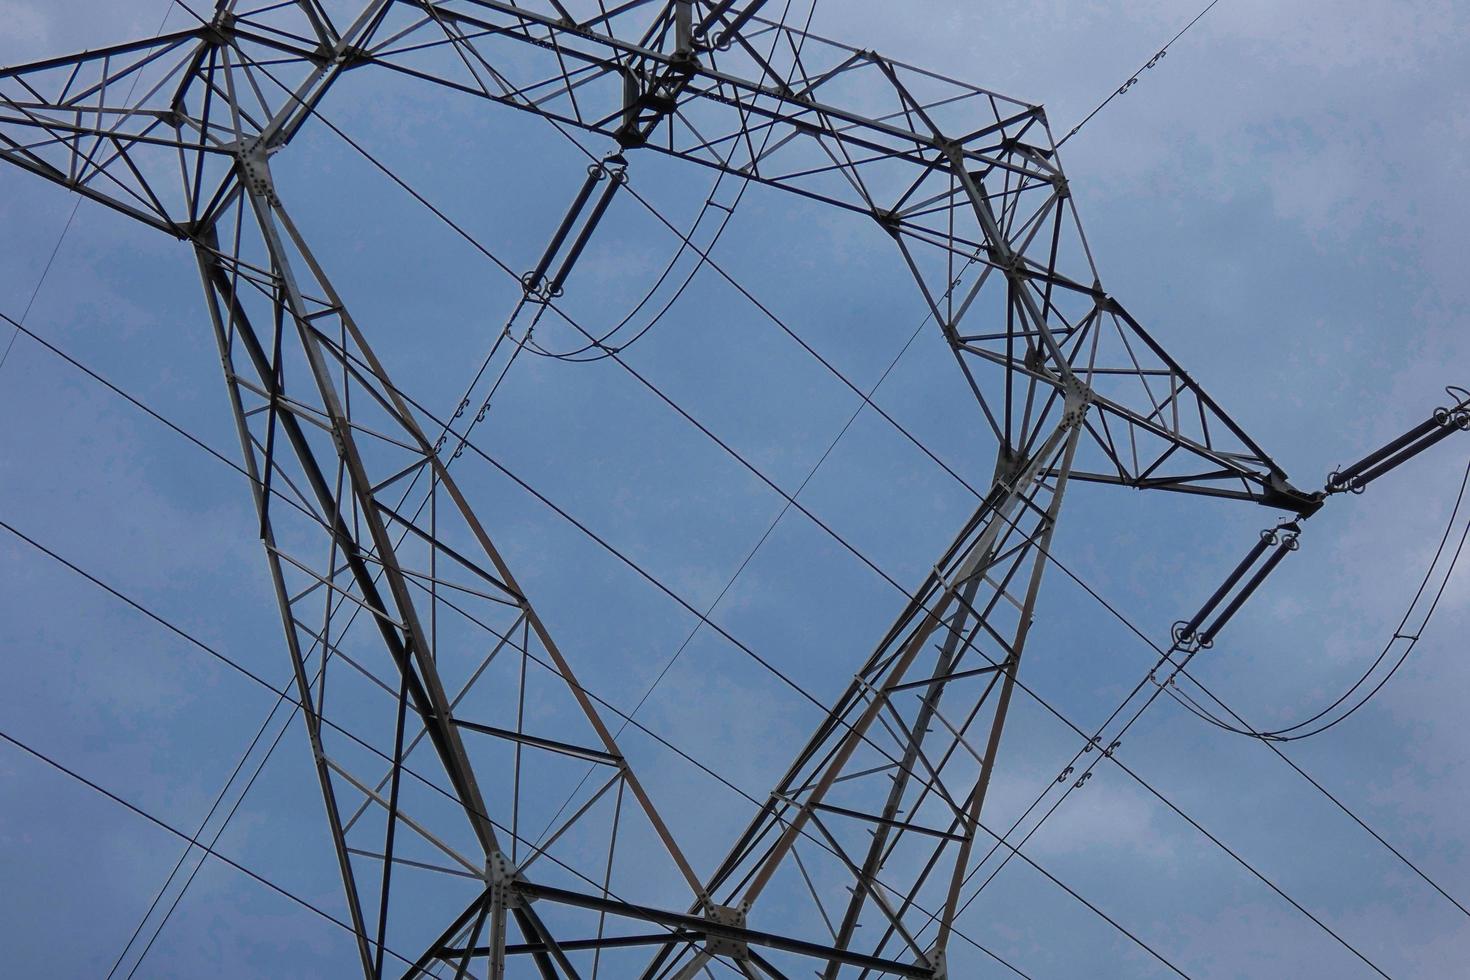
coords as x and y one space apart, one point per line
726 915
255 171
499 870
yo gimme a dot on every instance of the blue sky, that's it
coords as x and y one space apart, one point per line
1281 201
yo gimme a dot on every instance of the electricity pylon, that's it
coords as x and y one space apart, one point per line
388 582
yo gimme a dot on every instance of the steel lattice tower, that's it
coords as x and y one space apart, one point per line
384 571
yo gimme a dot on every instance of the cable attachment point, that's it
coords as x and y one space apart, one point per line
1066 774
1082 779
613 165
1153 677
1184 637
1458 414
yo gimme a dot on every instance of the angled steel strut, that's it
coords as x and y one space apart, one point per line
401 617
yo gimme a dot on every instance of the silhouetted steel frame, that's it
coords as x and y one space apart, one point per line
660 79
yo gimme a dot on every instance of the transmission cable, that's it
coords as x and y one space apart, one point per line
1132 80
1271 743
1168 685
200 444
1108 753
224 790
214 839
1184 671
70 218
19 327
40 281
193 841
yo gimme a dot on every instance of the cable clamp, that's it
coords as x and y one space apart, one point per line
1153 677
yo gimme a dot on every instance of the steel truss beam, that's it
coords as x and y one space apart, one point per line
404 625
965 180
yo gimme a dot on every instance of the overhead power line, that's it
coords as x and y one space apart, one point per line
66 226
1132 80
192 841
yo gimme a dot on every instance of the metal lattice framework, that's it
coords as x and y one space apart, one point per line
387 579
